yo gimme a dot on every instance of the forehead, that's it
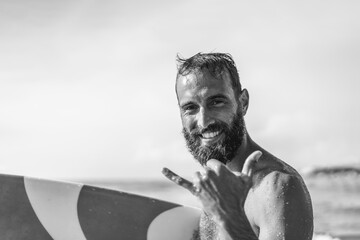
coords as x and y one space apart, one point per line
203 84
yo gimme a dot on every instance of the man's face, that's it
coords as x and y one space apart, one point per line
211 115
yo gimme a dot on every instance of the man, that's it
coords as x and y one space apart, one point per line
246 192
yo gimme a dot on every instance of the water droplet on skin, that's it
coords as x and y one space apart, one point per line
280 234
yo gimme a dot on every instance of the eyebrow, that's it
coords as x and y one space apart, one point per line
186 103
217 96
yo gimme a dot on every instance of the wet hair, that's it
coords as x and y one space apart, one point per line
215 63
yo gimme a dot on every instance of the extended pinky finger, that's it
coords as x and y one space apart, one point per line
178 180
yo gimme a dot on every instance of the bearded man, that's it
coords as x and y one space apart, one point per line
246 192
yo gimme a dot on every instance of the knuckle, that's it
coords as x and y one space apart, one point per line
211 174
196 177
205 177
208 172
202 185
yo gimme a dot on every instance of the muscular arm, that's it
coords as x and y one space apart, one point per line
280 202
281 210
285 210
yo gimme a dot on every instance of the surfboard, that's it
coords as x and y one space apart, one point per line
39 209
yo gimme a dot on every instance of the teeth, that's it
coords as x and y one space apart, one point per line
211 134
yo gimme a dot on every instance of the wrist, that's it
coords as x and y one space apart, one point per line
237 226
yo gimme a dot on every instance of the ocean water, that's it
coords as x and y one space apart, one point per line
335 195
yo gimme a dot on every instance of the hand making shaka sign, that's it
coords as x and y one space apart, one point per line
220 190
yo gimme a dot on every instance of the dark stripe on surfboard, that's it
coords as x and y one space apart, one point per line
108 210
17 217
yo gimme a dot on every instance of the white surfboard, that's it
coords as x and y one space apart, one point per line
39 209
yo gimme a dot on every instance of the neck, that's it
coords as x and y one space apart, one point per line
247 147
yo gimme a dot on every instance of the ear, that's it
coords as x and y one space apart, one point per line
244 101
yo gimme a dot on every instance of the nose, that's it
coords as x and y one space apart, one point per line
204 118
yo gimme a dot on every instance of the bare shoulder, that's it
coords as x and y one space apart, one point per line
275 176
278 181
279 199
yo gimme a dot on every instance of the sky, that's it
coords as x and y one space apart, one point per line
87 87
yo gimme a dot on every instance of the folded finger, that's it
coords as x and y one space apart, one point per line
216 166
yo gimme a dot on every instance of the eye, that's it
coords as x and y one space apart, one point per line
188 108
217 102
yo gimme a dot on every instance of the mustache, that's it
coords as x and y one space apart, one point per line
210 128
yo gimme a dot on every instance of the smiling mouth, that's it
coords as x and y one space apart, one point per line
210 135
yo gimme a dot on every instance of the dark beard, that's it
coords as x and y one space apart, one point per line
223 150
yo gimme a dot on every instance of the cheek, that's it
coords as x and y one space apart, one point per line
187 123
227 120
226 116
